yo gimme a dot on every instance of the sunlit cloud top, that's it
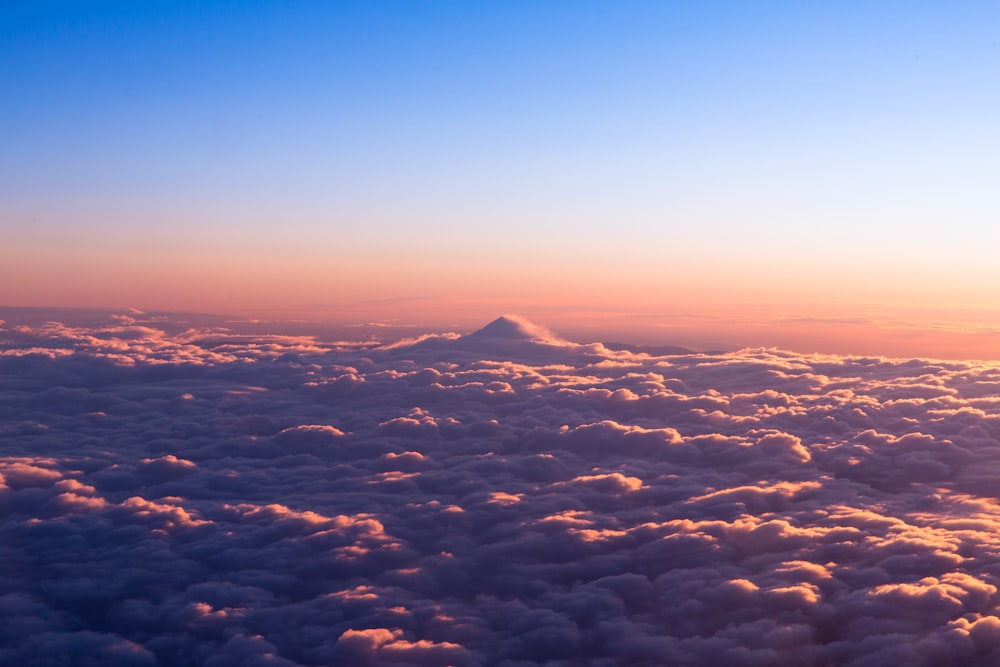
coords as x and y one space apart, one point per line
193 493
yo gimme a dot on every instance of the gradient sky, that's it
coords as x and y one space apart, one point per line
417 160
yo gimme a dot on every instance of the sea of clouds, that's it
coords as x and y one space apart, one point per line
206 497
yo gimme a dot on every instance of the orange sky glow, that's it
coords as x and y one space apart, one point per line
695 303
821 181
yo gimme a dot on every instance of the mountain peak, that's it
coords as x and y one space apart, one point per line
514 327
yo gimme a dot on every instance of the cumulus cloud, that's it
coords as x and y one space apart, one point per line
197 495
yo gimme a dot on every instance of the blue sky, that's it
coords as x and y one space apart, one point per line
848 136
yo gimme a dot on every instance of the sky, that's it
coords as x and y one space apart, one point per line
747 166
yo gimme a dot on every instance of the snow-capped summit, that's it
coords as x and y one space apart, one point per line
514 328
510 338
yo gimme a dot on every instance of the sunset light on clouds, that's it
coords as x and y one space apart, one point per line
499 334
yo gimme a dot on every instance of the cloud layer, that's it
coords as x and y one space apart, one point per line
205 497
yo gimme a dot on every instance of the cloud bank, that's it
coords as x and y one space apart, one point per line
205 497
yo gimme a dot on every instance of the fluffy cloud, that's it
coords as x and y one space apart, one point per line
194 495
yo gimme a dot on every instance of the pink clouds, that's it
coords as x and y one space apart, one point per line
186 496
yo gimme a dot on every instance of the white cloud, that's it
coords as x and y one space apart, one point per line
210 497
